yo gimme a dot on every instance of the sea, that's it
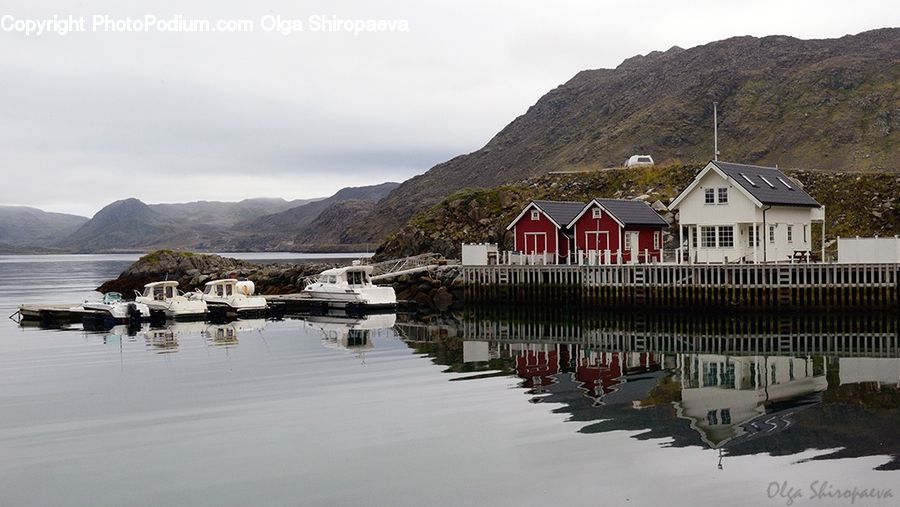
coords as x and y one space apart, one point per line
486 405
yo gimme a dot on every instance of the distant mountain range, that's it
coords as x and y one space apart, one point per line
23 227
251 224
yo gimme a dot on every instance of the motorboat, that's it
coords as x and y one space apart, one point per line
351 284
113 308
164 296
233 297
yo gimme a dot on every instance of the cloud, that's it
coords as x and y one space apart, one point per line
92 117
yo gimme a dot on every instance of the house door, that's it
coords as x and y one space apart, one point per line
535 242
633 245
596 243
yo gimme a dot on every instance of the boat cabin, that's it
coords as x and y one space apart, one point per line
221 288
161 291
353 276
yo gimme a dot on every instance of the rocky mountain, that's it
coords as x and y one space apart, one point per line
252 224
22 226
124 225
864 204
301 226
225 214
829 104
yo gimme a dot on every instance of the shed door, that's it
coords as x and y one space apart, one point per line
535 242
596 241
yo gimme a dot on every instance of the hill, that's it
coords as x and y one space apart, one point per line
855 203
225 214
23 226
816 104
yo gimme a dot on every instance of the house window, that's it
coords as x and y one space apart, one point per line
693 232
753 236
804 234
535 215
723 196
708 237
726 236
656 239
711 418
771 234
790 233
710 195
627 241
595 212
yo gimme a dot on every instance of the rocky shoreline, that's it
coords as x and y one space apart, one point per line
438 287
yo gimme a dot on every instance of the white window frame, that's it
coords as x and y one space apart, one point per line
772 229
627 246
709 196
703 236
595 213
535 214
719 239
719 193
753 236
790 233
656 239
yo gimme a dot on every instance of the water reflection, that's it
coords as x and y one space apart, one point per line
749 385
354 333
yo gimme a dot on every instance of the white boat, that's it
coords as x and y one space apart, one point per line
351 284
233 297
164 296
116 309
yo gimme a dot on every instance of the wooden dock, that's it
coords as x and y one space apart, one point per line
60 313
812 285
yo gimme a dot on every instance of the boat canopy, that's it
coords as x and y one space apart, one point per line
173 283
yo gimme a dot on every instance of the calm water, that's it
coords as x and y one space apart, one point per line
481 407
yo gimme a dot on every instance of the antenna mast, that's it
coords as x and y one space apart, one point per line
715 133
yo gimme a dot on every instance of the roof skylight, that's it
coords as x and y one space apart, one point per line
767 181
785 184
748 179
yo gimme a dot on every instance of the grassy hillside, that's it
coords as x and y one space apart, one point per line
861 204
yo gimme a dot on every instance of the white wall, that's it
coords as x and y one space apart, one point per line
476 254
740 209
869 250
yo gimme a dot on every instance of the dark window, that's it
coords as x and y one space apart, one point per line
723 196
710 195
726 236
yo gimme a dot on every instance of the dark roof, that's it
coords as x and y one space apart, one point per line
633 212
780 195
562 212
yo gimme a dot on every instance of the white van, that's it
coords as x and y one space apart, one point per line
639 160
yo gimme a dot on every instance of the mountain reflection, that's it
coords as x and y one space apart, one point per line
749 385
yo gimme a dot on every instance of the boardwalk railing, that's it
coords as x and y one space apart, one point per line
824 285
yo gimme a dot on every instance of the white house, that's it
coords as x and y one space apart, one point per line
746 213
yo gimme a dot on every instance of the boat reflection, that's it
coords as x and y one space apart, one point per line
226 334
762 383
350 332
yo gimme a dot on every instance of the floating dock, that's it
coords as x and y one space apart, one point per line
54 313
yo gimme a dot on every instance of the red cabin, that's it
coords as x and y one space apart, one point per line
618 231
541 230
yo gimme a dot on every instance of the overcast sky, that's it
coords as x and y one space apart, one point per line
88 118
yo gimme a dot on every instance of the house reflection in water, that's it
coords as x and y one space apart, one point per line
596 373
724 396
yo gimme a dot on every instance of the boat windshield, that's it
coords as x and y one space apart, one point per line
112 297
356 277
